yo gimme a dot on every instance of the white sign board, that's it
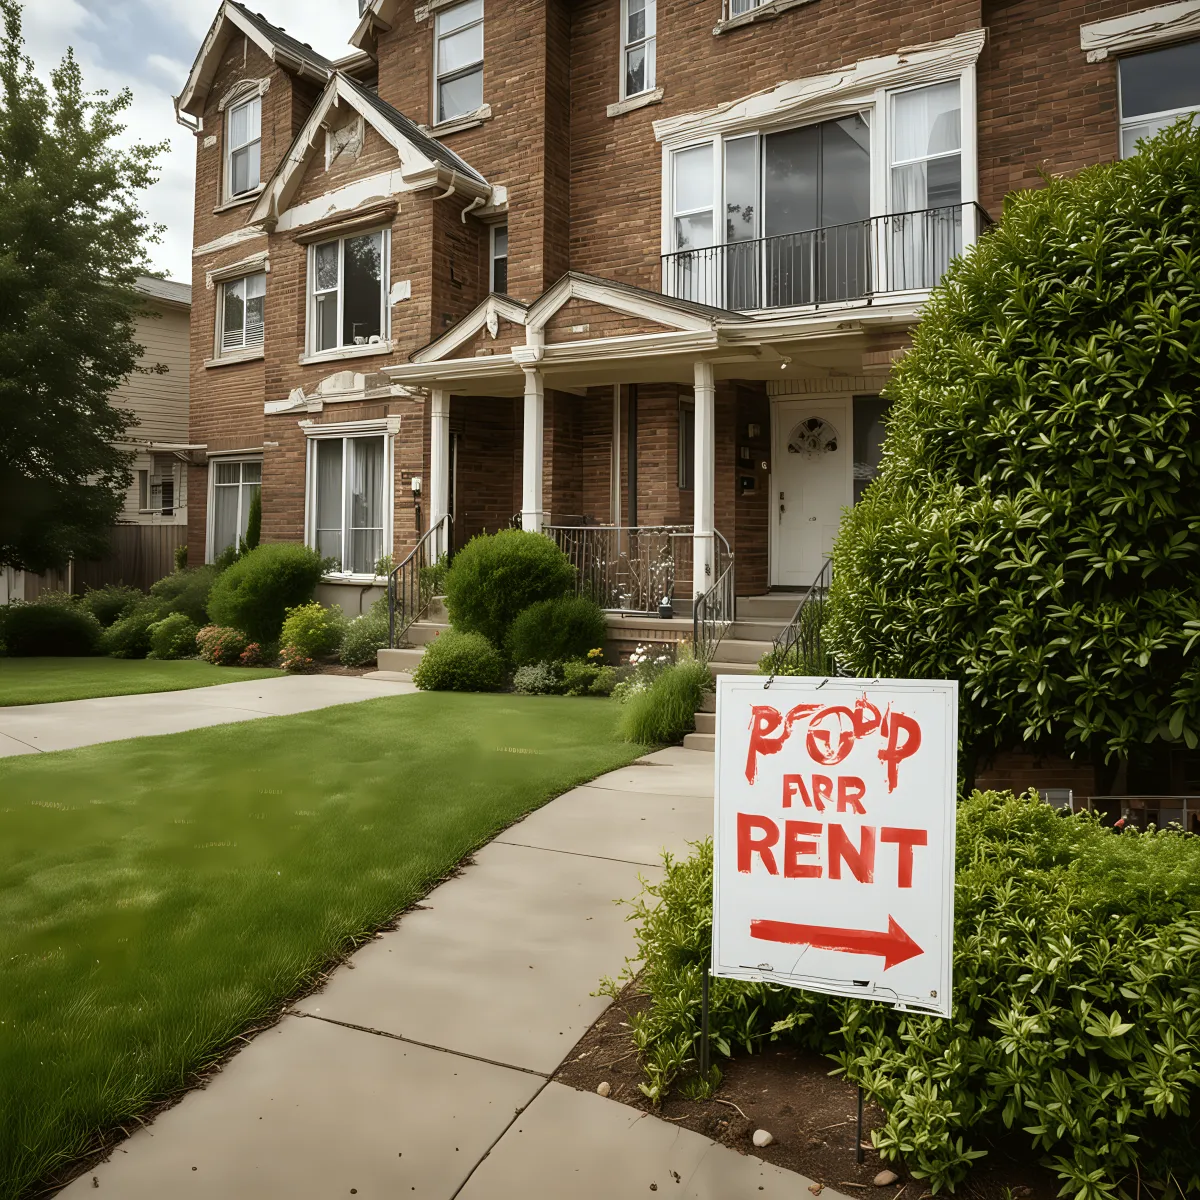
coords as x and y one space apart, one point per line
834 839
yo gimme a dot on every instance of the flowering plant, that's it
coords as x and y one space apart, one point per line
294 660
253 656
221 645
646 663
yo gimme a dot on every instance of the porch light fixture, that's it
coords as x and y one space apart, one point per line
416 485
787 362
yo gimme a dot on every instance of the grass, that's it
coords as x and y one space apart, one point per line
45 680
159 895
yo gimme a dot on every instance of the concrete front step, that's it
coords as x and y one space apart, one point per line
756 631
778 606
700 741
734 650
732 668
709 703
404 661
706 722
423 632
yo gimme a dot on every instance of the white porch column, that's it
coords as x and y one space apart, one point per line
703 557
531 461
439 462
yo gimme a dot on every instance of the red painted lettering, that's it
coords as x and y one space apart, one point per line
747 824
793 786
822 791
831 736
851 790
896 751
861 861
764 720
905 839
866 718
794 846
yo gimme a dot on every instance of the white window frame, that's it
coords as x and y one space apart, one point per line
650 41
494 258
1166 117
739 8
248 346
345 432
470 68
385 271
231 149
210 552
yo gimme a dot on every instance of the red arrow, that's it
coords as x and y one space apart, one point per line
895 946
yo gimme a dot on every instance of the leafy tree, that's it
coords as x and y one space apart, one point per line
72 244
1035 528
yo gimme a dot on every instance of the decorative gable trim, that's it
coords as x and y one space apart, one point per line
485 316
1139 30
632 302
243 90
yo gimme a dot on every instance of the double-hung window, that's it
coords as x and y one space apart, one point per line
459 60
234 486
348 492
499 279
1157 88
243 163
241 313
738 7
349 292
639 19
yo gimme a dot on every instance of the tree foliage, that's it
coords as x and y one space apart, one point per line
1033 531
72 244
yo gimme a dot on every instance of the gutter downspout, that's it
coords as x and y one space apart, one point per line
478 202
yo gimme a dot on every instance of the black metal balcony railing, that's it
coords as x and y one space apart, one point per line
899 252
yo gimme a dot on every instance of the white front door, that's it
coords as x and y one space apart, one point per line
811 482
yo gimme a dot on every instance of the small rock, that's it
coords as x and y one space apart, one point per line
816 1188
604 1089
885 1178
762 1138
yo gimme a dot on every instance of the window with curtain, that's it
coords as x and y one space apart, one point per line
234 485
1157 88
243 167
459 60
692 222
241 313
349 292
348 502
639 27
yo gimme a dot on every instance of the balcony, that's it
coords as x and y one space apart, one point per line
837 264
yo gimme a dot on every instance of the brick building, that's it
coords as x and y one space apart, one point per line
610 263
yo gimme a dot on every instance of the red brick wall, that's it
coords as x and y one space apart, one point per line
601 322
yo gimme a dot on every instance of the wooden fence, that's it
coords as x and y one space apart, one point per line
139 555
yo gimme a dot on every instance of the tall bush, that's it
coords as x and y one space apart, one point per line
52 630
1035 527
460 662
255 593
495 577
556 630
110 603
186 591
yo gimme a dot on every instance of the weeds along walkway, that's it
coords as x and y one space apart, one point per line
423 1067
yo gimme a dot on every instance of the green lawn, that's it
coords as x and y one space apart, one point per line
157 895
43 680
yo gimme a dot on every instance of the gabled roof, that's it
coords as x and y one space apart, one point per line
164 289
424 161
235 19
485 315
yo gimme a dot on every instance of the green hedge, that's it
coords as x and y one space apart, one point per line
556 630
313 630
130 636
185 591
1076 1024
110 603
255 593
173 637
50 629
460 662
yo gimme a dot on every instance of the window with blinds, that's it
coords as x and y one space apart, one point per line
241 313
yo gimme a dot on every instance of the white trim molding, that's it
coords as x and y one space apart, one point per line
235 270
1139 30
484 316
761 12
641 100
244 89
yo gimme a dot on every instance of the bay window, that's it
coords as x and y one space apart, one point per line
233 486
458 54
348 288
1157 88
241 313
639 20
348 499
243 162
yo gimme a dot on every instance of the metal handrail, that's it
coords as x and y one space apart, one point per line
408 600
799 644
713 610
628 568
832 264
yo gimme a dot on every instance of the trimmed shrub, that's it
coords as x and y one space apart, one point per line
495 577
112 602
556 630
314 630
51 630
666 710
460 662
537 679
220 646
364 638
173 637
185 592
255 593
1032 530
1075 950
583 678
130 636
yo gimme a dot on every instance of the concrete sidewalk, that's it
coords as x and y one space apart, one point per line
423 1067
36 728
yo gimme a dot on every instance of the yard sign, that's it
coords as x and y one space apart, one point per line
834 846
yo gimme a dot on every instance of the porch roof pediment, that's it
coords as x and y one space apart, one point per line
487 315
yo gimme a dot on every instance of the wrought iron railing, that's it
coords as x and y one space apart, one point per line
409 590
629 568
713 612
800 646
898 252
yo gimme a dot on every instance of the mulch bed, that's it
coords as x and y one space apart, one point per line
790 1093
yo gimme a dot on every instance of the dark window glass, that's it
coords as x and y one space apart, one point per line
687 447
869 414
362 310
1161 80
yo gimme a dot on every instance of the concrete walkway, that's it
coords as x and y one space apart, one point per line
422 1068
36 728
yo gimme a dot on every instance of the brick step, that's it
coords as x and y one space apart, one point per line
700 741
400 660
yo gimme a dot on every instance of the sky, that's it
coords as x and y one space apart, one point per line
149 46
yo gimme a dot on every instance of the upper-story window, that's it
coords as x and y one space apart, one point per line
243 162
348 288
240 314
1157 88
499 280
738 7
459 60
639 21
